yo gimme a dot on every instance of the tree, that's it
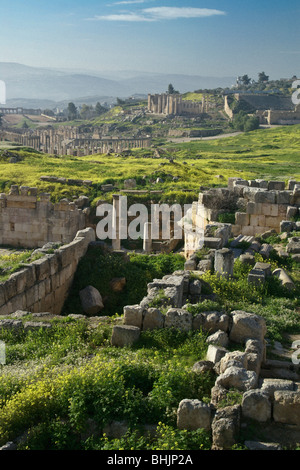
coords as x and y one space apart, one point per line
171 90
99 109
243 122
262 77
245 80
72 111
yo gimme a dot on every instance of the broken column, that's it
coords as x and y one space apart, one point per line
224 261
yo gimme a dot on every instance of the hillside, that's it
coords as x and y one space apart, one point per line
181 168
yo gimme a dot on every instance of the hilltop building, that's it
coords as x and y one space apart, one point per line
270 109
174 105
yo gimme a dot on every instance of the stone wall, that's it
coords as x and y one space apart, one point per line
174 105
30 220
43 285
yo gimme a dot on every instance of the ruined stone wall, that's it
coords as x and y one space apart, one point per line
43 285
30 220
266 205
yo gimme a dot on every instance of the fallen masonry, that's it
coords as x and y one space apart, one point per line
265 399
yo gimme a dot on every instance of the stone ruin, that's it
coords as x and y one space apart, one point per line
269 389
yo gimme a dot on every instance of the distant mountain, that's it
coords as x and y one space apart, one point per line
24 84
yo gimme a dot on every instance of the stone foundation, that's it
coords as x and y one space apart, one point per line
43 285
30 220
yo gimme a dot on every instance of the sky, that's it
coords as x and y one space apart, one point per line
194 37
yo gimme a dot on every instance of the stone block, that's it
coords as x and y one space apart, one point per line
215 353
242 218
286 407
125 335
226 428
133 315
276 185
193 415
256 276
265 267
246 325
268 197
238 378
270 386
256 405
283 197
153 319
178 319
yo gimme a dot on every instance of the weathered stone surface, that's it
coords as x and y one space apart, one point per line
91 300
219 338
133 315
215 353
270 386
211 321
125 335
293 247
237 377
256 445
233 358
203 366
256 405
193 415
224 261
35 325
245 326
226 428
9 324
286 407
178 319
153 319
284 278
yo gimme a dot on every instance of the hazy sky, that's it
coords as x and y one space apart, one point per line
209 38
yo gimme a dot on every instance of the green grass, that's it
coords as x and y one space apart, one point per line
268 154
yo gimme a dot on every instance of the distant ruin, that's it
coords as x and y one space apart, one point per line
270 109
175 105
68 140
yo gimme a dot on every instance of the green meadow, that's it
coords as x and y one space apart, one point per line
271 154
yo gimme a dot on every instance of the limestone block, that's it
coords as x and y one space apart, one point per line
263 196
8 324
265 250
291 212
293 247
283 197
256 405
133 315
215 353
178 319
276 185
125 335
256 276
238 378
233 358
242 218
32 296
286 407
219 338
265 267
248 230
270 386
42 268
226 428
246 325
153 319
254 208
193 415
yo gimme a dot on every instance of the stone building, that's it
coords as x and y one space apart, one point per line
174 105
